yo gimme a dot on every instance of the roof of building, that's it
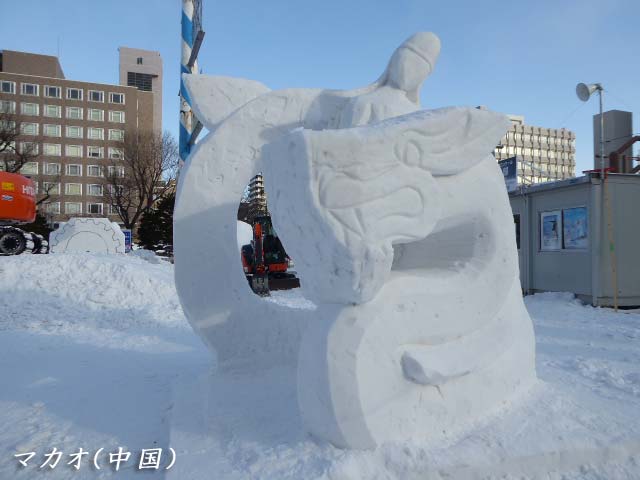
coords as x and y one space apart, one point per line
27 63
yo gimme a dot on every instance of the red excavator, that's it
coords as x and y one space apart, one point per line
265 262
18 206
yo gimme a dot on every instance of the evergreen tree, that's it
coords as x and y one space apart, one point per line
156 227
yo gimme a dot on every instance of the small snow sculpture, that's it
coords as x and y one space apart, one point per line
87 235
401 229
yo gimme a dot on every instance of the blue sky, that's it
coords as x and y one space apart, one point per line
521 57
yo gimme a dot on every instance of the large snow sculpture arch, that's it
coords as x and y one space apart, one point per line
401 228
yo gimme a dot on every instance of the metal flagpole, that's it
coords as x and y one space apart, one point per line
192 36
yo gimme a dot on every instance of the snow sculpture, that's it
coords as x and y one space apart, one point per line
402 233
87 235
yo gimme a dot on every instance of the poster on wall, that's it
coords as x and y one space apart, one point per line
509 169
575 228
551 230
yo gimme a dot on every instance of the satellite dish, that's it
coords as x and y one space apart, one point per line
585 91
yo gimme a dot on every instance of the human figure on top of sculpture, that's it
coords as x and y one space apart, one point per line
397 91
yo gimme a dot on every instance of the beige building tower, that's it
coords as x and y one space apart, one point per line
142 69
544 154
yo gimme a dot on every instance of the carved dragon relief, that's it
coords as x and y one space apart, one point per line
400 227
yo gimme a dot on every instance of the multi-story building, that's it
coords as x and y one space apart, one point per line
142 69
543 154
76 128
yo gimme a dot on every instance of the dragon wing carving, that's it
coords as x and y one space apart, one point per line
368 188
216 97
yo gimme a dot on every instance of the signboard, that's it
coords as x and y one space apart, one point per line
551 230
575 225
509 169
127 240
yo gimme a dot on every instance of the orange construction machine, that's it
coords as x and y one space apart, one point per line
18 206
265 262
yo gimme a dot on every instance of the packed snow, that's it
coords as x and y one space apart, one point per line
95 352
391 213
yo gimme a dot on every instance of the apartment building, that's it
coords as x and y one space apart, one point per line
77 128
543 154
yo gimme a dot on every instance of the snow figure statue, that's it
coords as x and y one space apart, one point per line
400 226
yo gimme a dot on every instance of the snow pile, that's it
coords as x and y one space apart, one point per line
147 255
102 296
122 368
572 425
90 348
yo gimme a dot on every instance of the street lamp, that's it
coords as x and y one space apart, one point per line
584 92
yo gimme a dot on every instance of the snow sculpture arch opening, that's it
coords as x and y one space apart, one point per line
401 228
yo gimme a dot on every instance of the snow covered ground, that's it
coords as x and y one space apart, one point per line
95 352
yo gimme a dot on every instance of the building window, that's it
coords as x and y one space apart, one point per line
8 125
96 114
74 170
31 148
54 111
139 61
117 135
7 87
116 171
74 113
95 133
96 96
94 171
74 93
74 150
52 92
29 128
52 207
29 168
52 130
116 117
115 190
116 98
7 106
141 81
94 208
73 208
73 189
114 210
116 153
94 190
95 152
74 132
30 89
52 149
51 188
30 108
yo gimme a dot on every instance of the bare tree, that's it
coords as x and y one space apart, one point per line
14 154
145 173
48 189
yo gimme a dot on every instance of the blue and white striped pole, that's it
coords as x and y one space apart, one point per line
186 116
